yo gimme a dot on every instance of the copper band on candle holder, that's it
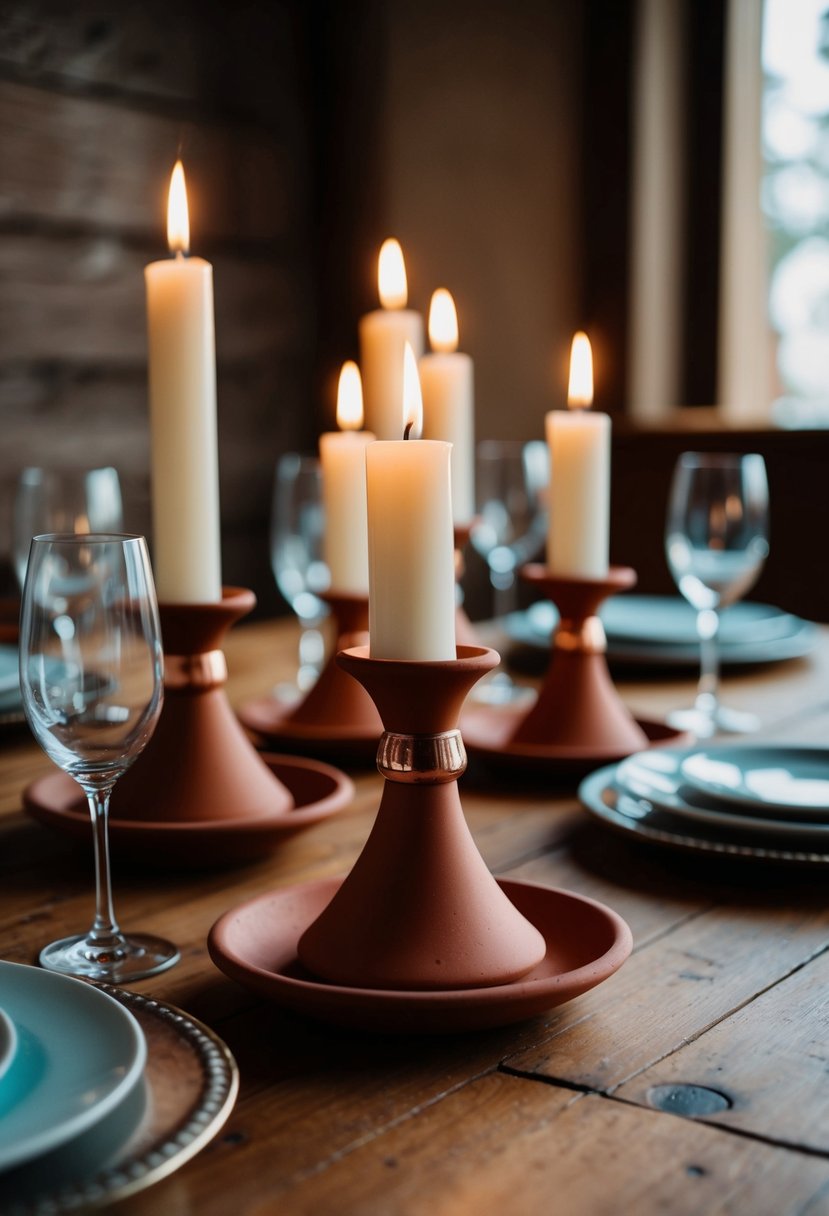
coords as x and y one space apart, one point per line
197 672
422 759
586 636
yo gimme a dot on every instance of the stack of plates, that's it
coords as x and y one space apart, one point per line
658 629
80 1102
763 802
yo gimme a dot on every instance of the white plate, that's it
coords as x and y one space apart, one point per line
79 1055
777 780
628 815
654 779
8 1042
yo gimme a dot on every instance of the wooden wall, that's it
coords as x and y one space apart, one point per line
96 99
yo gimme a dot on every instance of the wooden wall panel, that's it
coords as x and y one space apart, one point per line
82 298
96 100
85 162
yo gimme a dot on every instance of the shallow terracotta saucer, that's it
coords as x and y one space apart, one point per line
255 944
318 791
488 735
272 720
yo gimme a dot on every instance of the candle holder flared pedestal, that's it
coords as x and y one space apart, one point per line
578 705
337 718
199 763
578 719
420 910
199 794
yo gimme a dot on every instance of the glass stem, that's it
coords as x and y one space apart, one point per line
104 932
708 690
503 592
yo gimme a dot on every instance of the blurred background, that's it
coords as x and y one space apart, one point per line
653 171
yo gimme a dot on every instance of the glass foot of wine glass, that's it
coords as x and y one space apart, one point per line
126 958
704 722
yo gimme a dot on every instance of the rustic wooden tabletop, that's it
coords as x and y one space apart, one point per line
721 1010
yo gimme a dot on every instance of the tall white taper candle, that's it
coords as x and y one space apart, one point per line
579 442
182 382
410 540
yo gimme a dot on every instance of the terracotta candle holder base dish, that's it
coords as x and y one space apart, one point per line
256 945
199 764
317 791
337 719
420 909
578 720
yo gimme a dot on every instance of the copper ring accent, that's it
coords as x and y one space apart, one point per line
196 672
586 636
422 759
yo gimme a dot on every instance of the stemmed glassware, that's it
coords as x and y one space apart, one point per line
63 500
510 491
716 541
511 482
297 528
91 678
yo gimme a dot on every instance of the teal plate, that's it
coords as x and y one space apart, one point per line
79 1055
8 1042
660 629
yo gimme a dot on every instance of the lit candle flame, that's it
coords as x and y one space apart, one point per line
391 275
580 390
412 398
350 398
178 219
443 322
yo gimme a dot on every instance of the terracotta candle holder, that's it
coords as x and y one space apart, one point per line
420 910
336 699
199 764
578 705
465 634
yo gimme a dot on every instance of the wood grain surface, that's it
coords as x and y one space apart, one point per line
725 991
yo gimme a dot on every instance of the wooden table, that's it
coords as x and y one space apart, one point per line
725 991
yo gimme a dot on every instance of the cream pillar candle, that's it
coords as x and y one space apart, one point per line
579 443
182 383
383 335
343 459
446 378
410 541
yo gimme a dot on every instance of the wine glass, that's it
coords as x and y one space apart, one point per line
716 543
511 481
63 500
297 527
91 678
510 490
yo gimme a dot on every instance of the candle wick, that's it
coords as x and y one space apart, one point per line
407 434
